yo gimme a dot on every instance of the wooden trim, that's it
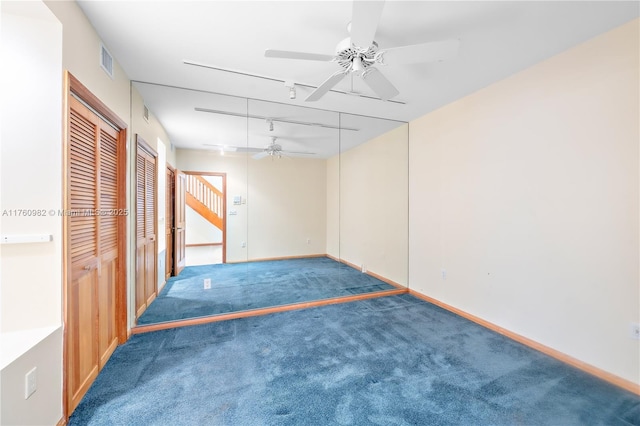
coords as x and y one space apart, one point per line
265 311
208 185
204 211
66 255
203 244
62 422
560 356
92 100
203 173
267 259
122 323
145 146
373 274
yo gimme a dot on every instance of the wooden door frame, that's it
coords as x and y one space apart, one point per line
224 206
73 87
172 209
149 149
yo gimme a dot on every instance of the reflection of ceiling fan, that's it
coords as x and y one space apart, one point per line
274 150
357 54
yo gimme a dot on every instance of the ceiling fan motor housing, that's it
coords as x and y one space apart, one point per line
346 53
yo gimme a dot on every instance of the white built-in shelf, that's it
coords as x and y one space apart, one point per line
14 344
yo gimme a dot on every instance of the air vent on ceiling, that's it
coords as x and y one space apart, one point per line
145 113
106 60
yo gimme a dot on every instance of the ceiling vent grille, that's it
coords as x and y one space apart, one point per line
145 113
106 60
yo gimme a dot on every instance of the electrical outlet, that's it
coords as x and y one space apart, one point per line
443 272
364 268
308 240
634 330
244 244
207 283
30 383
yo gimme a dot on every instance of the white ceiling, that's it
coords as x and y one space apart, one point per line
152 39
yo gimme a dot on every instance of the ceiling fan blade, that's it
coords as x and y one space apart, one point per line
379 83
248 149
416 53
364 22
327 85
285 54
298 152
260 155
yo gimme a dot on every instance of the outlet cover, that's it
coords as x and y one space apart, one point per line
207 283
443 272
30 383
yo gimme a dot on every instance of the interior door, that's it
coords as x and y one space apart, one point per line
169 222
179 234
92 247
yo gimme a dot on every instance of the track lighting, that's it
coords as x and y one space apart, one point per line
292 88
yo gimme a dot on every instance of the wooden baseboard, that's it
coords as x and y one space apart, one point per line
567 359
203 244
373 274
266 259
61 422
264 311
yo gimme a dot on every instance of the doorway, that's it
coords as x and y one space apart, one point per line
205 218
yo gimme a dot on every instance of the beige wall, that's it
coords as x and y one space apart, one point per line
287 207
526 193
374 205
333 206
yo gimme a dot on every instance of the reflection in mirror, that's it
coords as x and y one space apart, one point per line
289 229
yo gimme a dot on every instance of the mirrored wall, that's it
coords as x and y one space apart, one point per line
308 205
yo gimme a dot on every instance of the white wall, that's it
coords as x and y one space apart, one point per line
199 230
374 205
527 192
31 178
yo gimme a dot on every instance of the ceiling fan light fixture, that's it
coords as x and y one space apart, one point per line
357 65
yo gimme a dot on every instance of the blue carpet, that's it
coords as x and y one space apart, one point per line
393 360
242 286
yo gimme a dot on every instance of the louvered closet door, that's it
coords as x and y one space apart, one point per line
108 240
92 248
146 241
141 300
150 228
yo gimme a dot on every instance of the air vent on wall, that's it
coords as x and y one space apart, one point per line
145 113
106 60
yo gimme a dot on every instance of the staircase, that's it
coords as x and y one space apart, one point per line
205 199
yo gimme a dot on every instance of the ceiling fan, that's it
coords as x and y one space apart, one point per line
358 53
275 150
